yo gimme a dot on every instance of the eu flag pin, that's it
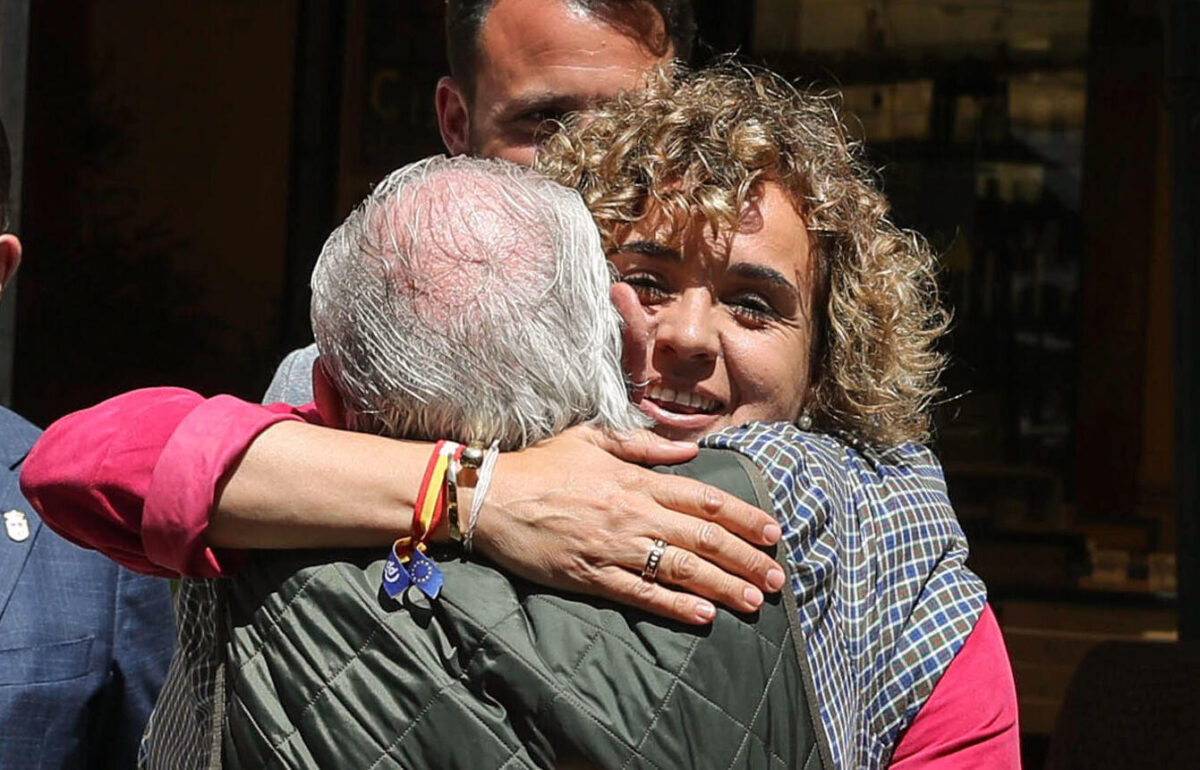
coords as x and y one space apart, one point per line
395 577
425 574
16 524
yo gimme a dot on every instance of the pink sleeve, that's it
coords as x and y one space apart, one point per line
970 719
134 477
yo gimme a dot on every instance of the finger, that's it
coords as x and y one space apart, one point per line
702 501
635 332
628 588
645 448
712 543
684 569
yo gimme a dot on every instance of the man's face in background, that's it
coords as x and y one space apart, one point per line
539 59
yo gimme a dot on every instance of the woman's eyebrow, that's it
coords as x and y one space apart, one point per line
755 272
649 249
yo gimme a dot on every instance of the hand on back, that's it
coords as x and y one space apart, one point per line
575 513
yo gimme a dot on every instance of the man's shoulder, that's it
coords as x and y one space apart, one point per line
17 435
551 655
292 383
727 470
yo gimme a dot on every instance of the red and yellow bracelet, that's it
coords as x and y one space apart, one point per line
407 564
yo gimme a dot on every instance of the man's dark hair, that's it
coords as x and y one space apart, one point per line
5 178
464 19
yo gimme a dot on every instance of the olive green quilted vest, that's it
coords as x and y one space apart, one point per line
323 670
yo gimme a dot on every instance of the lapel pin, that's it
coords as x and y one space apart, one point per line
16 524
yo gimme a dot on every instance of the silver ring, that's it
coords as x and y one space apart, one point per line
650 571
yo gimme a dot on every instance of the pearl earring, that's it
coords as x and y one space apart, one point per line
804 422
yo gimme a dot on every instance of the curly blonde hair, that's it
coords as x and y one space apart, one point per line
703 142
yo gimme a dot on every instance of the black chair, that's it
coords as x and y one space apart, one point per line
1131 705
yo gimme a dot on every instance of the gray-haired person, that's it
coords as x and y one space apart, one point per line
466 300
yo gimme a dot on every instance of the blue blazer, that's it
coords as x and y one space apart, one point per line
84 643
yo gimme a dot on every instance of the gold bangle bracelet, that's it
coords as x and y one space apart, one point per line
472 456
452 500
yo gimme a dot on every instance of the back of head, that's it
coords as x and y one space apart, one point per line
468 299
465 18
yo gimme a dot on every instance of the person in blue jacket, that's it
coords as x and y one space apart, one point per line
84 643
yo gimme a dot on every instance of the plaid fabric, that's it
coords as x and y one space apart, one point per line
885 599
184 731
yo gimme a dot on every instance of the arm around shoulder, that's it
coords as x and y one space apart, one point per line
94 475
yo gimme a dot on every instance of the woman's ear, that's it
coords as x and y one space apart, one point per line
454 119
328 400
10 257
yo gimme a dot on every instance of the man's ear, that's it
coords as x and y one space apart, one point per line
454 119
10 257
329 402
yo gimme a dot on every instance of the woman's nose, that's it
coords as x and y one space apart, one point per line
686 327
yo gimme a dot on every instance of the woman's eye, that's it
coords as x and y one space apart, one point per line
752 308
648 287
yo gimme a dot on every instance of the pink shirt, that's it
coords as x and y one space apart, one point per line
135 478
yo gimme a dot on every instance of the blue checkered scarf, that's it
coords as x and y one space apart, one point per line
878 567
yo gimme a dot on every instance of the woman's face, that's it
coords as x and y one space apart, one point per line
729 317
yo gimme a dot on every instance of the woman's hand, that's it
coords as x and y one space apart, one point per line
569 514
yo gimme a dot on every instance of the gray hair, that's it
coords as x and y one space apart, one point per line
468 299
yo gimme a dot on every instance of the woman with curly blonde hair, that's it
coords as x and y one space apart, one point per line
717 152
774 287
772 309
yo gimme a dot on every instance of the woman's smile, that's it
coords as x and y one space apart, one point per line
680 410
682 401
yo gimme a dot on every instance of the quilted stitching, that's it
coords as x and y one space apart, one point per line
327 685
761 701
565 608
276 619
513 750
274 634
562 693
678 681
666 699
